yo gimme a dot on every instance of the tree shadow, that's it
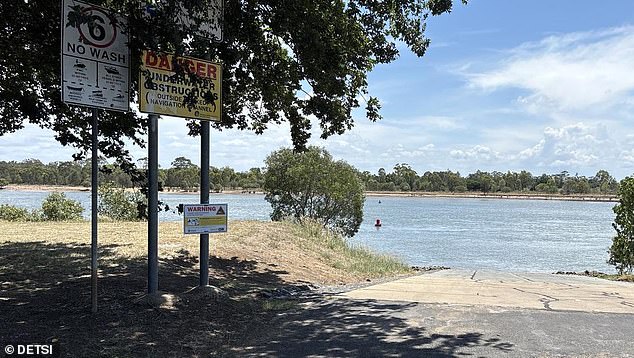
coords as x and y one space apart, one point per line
45 296
365 328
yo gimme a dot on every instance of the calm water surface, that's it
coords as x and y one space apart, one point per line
517 235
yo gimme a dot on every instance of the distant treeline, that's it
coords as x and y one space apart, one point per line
184 175
404 178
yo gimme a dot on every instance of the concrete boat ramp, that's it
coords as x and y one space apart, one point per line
456 313
541 291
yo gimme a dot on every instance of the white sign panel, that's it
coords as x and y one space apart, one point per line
95 57
204 218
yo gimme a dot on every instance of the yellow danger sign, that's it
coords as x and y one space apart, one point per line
180 86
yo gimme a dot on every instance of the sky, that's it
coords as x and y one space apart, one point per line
539 85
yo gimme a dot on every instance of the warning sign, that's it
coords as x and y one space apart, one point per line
204 218
95 57
180 86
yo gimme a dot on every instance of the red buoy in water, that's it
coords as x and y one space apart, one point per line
378 223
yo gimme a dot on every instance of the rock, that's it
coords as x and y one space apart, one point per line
209 292
160 300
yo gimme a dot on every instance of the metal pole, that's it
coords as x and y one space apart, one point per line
94 188
152 222
204 199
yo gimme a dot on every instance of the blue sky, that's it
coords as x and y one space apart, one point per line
540 85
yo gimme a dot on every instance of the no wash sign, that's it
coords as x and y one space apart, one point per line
95 57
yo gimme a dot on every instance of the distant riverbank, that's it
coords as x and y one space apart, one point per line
516 196
520 196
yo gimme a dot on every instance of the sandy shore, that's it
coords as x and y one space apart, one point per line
17 187
516 196
51 188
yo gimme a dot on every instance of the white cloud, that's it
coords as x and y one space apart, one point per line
568 72
478 153
33 142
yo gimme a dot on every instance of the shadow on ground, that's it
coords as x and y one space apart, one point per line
354 328
45 296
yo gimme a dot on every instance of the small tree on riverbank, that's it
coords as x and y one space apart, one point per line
622 249
311 184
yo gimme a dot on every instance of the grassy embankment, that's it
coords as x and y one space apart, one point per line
611 277
305 252
45 284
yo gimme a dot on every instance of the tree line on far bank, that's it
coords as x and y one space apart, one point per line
184 175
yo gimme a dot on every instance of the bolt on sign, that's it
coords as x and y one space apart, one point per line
204 218
180 86
95 57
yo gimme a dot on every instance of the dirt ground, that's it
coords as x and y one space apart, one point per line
45 288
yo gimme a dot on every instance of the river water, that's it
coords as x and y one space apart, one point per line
514 235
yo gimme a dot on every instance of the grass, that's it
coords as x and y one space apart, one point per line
613 277
45 284
301 252
339 253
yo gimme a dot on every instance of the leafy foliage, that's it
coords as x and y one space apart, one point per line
622 249
404 178
282 61
117 204
56 207
13 213
312 185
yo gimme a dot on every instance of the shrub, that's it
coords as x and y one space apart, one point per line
622 249
56 207
13 213
117 204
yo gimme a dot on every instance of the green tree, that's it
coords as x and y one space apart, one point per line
183 174
603 182
404 174
312 185
282 61
117 204
622 249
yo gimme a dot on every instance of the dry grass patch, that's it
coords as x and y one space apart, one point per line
45 284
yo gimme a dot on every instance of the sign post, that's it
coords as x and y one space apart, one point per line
152 221
94 218
190 88
204 199
95 73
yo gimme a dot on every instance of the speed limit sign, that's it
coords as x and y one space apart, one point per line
95 56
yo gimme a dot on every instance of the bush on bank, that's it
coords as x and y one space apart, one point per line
55 207
118 204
